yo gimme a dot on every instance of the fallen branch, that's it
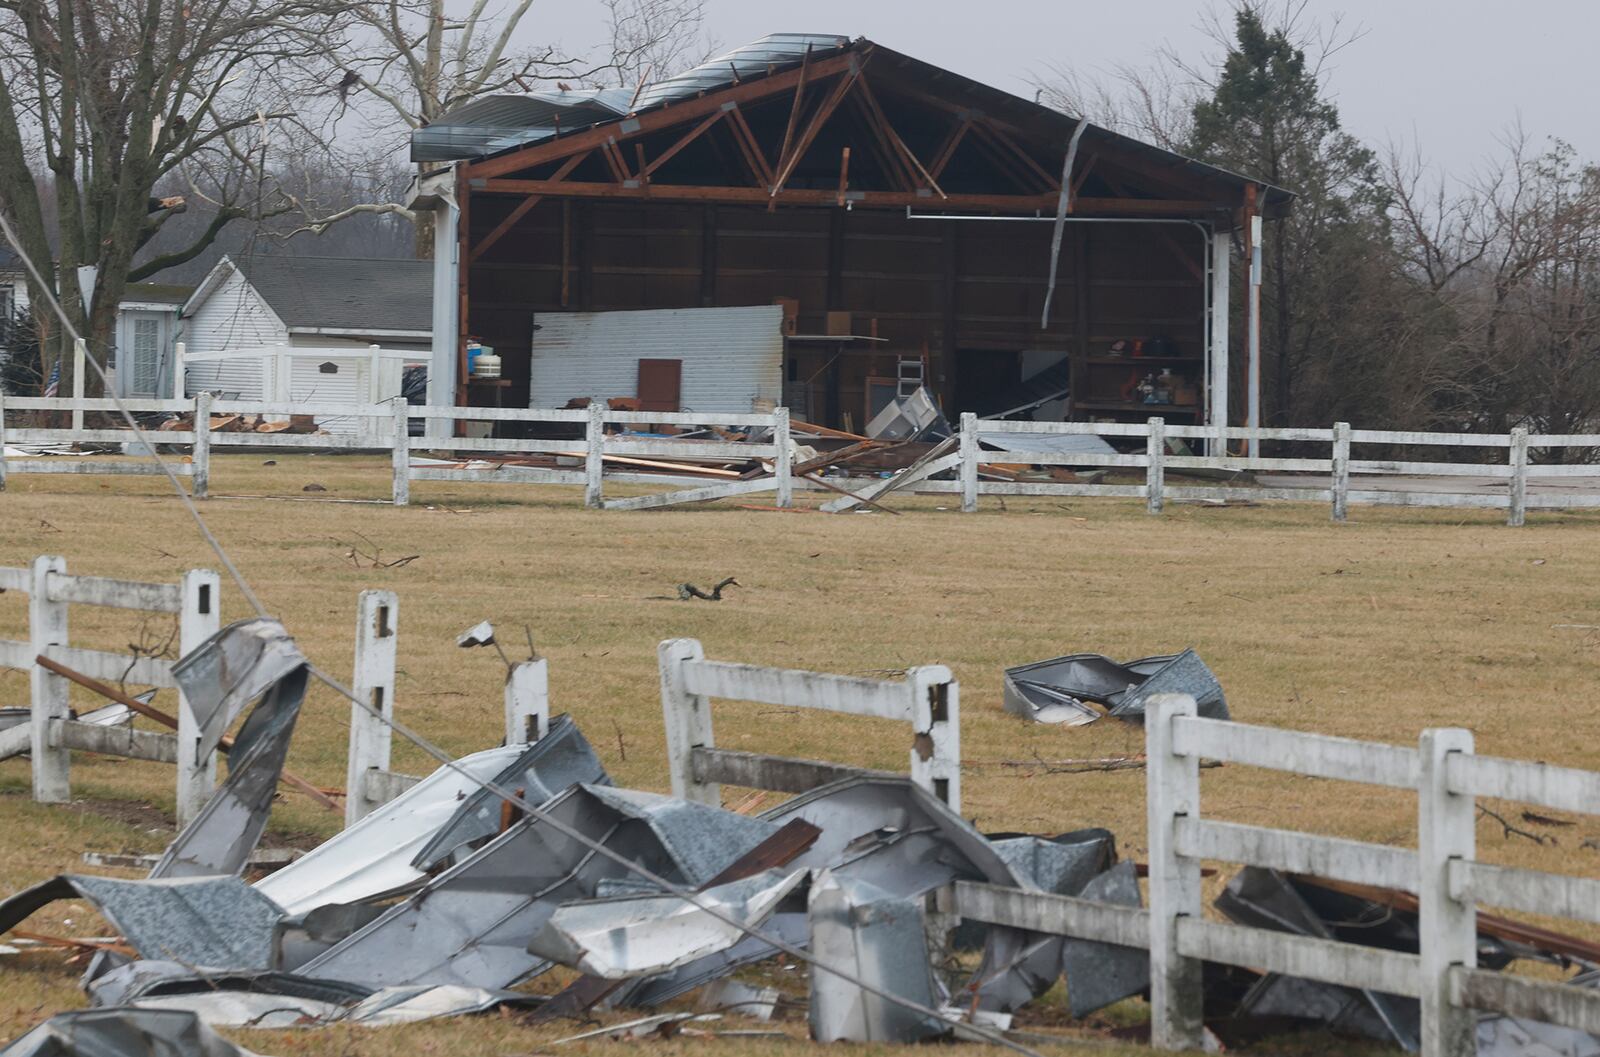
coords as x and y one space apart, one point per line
1513 831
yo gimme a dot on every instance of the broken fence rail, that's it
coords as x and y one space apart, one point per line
599 457
51 731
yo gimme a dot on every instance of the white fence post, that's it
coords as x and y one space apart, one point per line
2 441
80 354
969 462
594 461
198 620
528 702
783 464
1172 791
377 620
1341 470
1519 477
402 452
374 386
200 451
1155 473
179 351
936 744
688 721
47 626
1447 925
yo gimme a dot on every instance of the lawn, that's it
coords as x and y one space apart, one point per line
1396 621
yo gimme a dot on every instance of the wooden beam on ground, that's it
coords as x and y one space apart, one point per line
658 119
151 712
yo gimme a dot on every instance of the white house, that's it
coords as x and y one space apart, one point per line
140 363
248 312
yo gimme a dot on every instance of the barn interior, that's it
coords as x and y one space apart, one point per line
915 227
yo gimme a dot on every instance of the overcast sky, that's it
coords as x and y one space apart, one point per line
1449 74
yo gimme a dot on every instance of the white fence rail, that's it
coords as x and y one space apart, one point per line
927 697
52 731
599 453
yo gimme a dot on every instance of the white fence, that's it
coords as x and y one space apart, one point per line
927 697
599 454
52 732
1441 872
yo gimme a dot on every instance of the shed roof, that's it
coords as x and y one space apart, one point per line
345 293
496 124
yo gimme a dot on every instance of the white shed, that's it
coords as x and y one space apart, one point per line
327 304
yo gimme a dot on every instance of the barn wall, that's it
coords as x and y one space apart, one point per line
968 293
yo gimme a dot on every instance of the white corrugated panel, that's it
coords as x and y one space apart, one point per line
732 357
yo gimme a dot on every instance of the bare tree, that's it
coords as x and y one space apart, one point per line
406 63
109 98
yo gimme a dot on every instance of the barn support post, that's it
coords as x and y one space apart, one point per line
528 702
1172 792
198 620
783 462
400 458
1217 408
1518 511
377 621
1155 473
1341 471
594 460
1253 321
1448 923
47 626
200 450
969 462
446 327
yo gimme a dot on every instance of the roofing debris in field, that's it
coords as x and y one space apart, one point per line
1065 689
443 901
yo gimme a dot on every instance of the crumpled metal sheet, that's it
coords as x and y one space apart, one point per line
373 858
1060 690
199 920
789 926
1267 899
1502 1036
221 837
637 935
471 925
877 937
222 675
152 978
562 758
1099 974
124 1033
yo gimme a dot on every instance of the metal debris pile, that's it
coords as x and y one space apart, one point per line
450 898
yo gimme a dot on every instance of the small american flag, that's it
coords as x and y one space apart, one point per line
53 387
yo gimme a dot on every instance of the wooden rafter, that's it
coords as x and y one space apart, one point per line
613 159
655 120
504 227
794 108
683 141
751 146
844 173
1023 203
1001 159
947 150
892 164
999 134
899 144
829 104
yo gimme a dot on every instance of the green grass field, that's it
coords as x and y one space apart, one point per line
1396 621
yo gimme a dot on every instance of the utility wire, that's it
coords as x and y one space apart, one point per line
445 759
144 438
